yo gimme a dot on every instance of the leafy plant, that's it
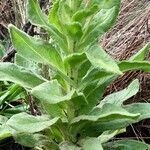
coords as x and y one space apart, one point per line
75 115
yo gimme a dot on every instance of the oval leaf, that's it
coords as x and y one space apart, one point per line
13 73
100 59
24 122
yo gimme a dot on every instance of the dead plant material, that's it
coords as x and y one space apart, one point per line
129 35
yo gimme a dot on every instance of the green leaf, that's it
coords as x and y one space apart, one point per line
24 122
41 51
85 124
54 110
100 59
75 59
2 50
31 140
100 23
53 15
68 146
126 145
119 97
19 75
82 15
35 15
74 30
13 91
106 4
94 92
51 92
93 75
65 12
105 111
26 63
83 68
92 144
140 56
142 108
108 135
9 112
3 120
5 131
26 139
134 65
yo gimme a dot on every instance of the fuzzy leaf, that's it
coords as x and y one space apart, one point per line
92 144
126 145
85 124
30 140
35 14
19 75
51 92
74 60
36 17
41 51
5 132
108 135
100 23
26 63
142 108
68 146
134 65
53 15
119 97
100 59
24 122
81 15
94 92
106 4
94 75
140 56
74 30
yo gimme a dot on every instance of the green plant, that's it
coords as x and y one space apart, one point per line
75 115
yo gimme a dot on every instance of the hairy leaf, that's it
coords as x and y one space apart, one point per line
82 15
85 124
100 59
108 135
31 140
100 23
36 17
126 145
140 56
41 51
5 132
92 144
19 75
24 122
119 97
68 146
52 94
142 108
75 59
134 65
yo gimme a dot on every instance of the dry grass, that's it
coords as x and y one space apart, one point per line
131 33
